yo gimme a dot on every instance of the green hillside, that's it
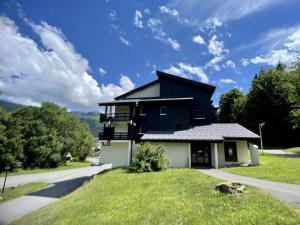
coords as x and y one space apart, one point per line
90 118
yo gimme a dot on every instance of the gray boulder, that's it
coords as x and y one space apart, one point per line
231 187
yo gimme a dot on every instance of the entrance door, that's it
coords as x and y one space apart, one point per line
200 154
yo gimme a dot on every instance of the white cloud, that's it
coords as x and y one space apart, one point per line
113 15
227 81
216 12
166 10
53 71
287 53
273 57
293 41
102 71
159 34
199 40
217 49
137 21
230 64
124 41
245 61
147 11
214 63
187 70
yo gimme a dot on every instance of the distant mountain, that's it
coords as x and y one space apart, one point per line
90 118
10 106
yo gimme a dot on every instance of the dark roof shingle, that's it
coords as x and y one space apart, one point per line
212 132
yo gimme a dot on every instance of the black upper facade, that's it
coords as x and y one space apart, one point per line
168 103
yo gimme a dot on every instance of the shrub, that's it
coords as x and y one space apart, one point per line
149 158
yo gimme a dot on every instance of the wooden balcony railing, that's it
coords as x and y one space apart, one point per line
115 117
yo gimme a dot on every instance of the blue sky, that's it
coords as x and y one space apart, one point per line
78 53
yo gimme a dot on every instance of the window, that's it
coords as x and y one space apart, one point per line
199 115
143 111
177 126
163 110
230 152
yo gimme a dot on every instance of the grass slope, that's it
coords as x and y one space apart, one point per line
175 196
295 150
274 168
10 193
69 165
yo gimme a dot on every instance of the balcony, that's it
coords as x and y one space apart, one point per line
115 117
113 136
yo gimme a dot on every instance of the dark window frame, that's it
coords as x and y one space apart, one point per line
178 126
199 118
234 156
143 111
160 111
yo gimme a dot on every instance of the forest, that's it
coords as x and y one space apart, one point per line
273 99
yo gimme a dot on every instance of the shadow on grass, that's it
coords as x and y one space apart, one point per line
60 189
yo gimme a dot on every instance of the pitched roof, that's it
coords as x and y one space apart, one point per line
213 132
197 83
166 75
137 89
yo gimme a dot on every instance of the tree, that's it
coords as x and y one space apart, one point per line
231 106
269 101
11 149
50 132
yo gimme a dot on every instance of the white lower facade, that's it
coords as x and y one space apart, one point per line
179 154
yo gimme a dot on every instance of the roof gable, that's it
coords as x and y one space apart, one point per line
163 75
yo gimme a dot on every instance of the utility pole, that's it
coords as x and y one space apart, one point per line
260 134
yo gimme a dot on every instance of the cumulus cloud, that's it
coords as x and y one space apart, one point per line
137 20
217 49
286 53
166 10
230 64
31 73
188 71
227 81
155 25
199 40
102 71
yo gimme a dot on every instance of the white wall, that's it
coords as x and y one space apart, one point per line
151 91
177 153
116 154
242 153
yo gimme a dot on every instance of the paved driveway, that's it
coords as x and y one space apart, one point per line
61 183
282 191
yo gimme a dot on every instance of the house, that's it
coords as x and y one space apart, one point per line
178 113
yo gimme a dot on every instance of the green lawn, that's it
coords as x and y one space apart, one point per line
69 165
295 150
10 193
275 168
175 196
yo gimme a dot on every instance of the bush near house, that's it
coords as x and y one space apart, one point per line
149 158
41 137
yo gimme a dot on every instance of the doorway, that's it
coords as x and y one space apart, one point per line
200 154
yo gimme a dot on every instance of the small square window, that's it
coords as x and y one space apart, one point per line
177 126
143 111
163 110
199 115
